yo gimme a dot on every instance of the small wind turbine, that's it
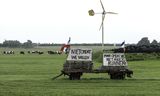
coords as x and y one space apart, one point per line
92 13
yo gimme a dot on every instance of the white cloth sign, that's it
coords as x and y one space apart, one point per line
114 59
80 54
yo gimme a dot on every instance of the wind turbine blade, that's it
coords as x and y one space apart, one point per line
102 6
102 22
111 13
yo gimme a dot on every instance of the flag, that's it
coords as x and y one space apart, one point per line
123 43
69 40
123 46
65 48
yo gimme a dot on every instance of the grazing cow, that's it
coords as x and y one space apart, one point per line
59 52
54 52
35 52
29 52
40 52
8 52
22 52
51 52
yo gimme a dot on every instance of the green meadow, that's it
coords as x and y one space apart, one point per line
31 75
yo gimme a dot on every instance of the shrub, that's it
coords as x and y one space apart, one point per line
98 56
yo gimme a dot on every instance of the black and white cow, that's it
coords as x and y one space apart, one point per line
8 52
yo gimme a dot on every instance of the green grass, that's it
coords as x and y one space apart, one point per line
30 75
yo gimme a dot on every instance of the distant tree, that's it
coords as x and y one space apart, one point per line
28 44
159 43
144 41
11 43
154 42
1 45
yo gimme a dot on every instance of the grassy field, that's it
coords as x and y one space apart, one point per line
30 75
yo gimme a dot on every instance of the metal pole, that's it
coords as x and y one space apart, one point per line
102 34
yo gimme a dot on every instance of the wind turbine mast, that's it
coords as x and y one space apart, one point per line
92 13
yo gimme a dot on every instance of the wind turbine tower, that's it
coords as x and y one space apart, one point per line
92 13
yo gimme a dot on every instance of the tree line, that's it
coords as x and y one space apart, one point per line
17 44
143 46
30 44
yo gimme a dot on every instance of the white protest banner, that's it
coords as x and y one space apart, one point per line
114 59
80 54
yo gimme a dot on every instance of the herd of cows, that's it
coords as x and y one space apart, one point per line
32 52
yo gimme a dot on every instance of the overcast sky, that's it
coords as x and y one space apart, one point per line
54 21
